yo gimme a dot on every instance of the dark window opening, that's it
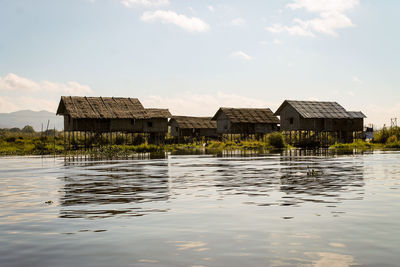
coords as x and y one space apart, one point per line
291 120
149 124
133 121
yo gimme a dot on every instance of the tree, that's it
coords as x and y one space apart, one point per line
28 129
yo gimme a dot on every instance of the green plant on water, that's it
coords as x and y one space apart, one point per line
276 140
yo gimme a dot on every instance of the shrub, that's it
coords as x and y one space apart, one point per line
276 140
10 139
119 140
381 136
392 139
28 129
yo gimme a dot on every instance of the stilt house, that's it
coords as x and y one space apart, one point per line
111 114
185 126
320 116
246 121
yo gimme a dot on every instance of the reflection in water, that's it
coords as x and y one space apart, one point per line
202 211
101 189
105 189
312 179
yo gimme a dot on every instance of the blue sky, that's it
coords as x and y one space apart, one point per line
194 56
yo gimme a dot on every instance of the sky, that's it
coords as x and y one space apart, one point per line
196 56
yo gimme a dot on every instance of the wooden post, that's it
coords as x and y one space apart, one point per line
54 139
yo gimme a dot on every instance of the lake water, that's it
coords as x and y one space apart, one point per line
202 211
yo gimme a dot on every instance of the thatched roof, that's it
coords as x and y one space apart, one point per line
79 107
248 115
320 110
158 113
186 122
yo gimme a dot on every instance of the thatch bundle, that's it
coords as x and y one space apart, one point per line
248 115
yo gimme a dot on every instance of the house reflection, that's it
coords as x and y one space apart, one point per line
320 176
105 189
334 180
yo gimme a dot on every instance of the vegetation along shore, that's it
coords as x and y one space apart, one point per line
26 141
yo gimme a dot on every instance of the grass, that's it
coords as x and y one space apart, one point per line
17 143
359 144
386 138
14 142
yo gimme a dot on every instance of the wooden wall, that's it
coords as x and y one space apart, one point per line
292 121
116 125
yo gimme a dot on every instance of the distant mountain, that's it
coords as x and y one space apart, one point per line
35 119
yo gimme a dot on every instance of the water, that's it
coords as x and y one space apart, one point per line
201 211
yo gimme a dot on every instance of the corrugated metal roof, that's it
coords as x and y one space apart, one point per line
249 115
356 114
187 122
320 109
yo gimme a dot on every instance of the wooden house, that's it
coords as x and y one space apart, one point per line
320 117
246 121
111 114
195 127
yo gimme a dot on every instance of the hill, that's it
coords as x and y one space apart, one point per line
22 118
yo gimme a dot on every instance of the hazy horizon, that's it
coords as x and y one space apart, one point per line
194 57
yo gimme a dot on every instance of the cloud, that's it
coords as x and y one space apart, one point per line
192 24
277 42
144 3
238 22
240 55
7 106
36 103
331 17
211 8
14 83
357 80
317 6
203 104
351 93
293 30
22 93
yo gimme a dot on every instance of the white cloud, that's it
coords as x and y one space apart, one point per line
351 93
356 80
203 104
7 105
331 17
317 6
240 55
238 22
211 8
35 103
144 3
277 42
293 30
191 24
14 83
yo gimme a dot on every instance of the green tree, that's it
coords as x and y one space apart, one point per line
28 129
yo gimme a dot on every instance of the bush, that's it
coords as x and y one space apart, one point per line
119 140
276 140
392 139
28 129
381 136
10 139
